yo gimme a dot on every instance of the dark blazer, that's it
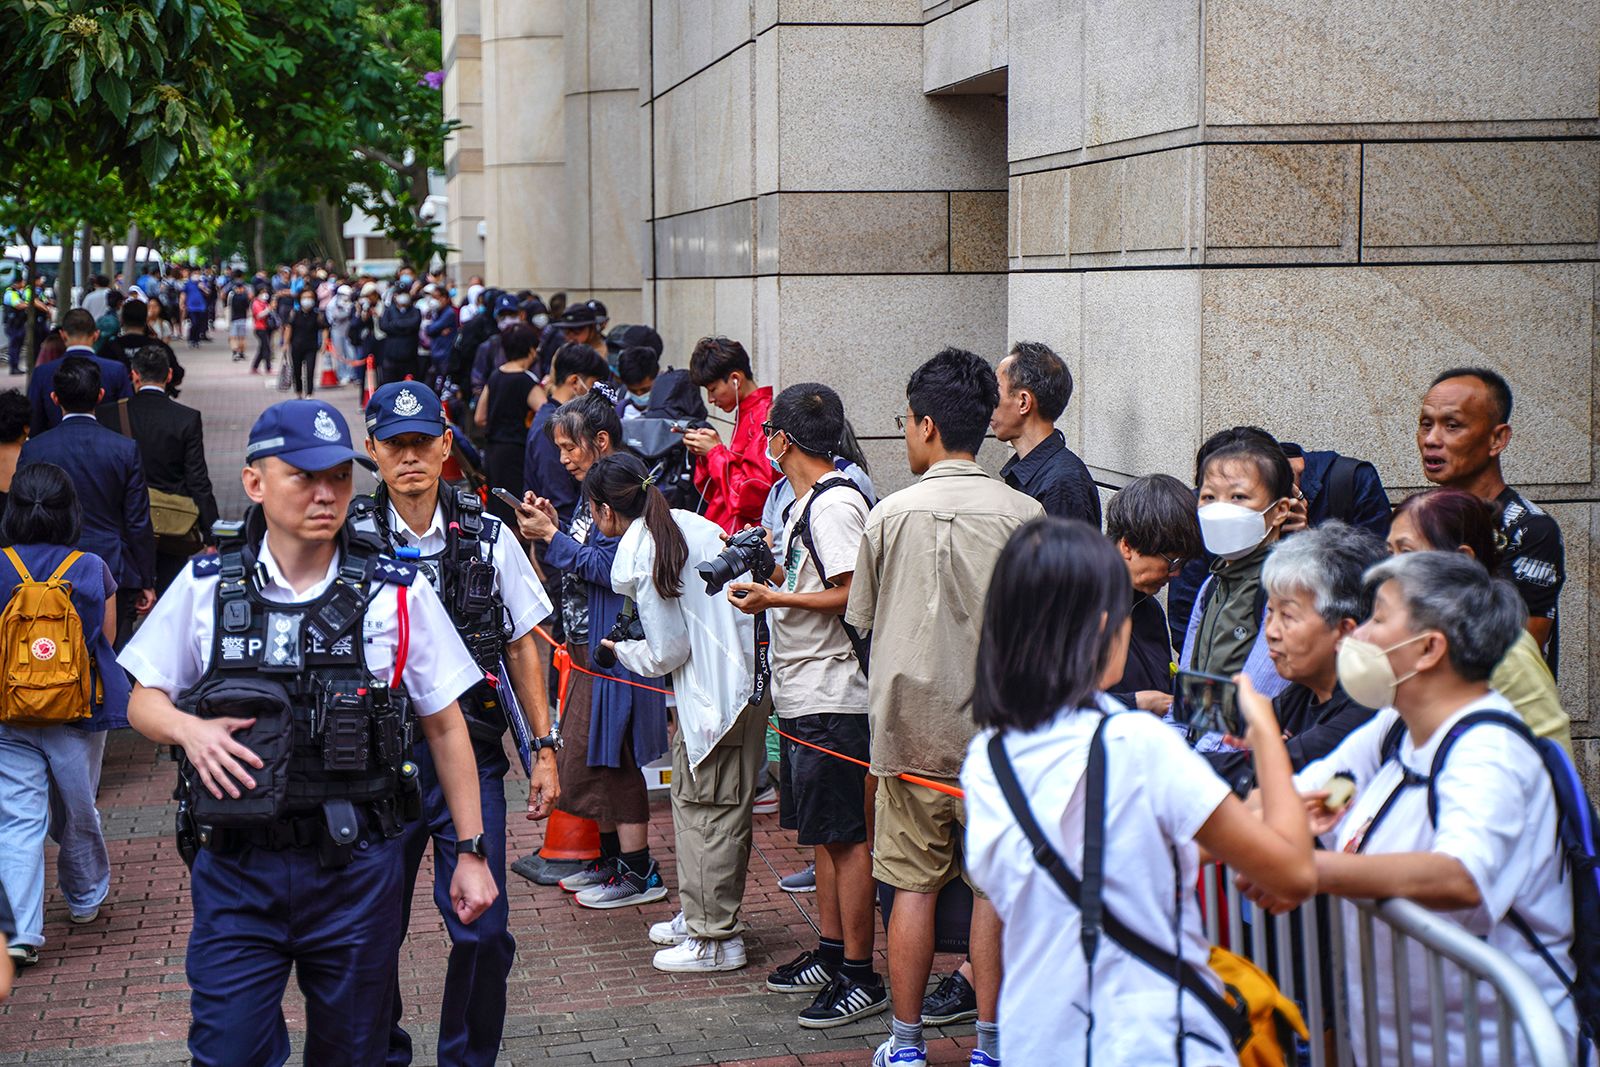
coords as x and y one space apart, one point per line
171 448
46 415
401 327
104 467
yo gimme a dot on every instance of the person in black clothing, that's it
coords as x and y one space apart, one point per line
14 416
1035 388
239 317
136 337
505 410
401 326
308 330
172 448
1316 597
1152 522
1464 426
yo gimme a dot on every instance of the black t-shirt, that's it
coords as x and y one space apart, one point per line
1310 731
305 328
1534 559
509 414
239 302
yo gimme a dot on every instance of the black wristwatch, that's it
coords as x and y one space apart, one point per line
550 740
477 846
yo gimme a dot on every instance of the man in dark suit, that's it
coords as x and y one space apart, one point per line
81 334
171 448
135 335
105 469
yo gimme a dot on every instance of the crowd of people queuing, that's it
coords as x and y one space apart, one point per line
995 648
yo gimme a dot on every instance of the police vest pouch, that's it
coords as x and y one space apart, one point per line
270 737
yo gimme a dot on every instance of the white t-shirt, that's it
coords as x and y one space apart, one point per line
814 666
1158 795
1497 815
172 650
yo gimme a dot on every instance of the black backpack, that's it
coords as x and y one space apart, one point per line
861 643
659 442
1578 837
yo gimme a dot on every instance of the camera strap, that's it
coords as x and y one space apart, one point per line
763 660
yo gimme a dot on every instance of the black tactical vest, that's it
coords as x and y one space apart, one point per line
351 732
463 573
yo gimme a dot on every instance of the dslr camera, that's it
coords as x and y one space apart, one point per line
747 551
628 628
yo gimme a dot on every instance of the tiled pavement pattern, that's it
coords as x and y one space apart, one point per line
582 990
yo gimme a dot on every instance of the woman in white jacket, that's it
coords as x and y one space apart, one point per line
718 751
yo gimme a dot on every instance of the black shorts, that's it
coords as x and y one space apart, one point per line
824 797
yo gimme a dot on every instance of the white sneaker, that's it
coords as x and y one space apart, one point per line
700 954
674 932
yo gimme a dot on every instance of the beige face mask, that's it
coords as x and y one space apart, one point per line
1366 673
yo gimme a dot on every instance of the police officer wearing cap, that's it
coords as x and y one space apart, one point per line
585 324
494 597
288 672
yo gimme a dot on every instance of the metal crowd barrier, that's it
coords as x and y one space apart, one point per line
1311 971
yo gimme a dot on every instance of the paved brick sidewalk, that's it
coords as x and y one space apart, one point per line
582 989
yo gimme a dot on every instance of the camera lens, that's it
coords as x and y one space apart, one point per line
604 657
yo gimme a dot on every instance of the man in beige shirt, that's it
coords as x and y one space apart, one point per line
920 583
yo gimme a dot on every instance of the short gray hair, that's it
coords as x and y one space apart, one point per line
1327 562
1480 616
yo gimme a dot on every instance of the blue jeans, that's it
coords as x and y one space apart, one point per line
49 776
257 913
473 1014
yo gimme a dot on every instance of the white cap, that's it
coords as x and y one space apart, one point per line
344 290
369 289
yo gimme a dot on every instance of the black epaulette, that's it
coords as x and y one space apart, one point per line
206 566
393 571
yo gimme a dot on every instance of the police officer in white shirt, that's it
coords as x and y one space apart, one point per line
1487 851
301 657
491 592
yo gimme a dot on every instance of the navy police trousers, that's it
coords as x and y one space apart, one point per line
257 913
474 1010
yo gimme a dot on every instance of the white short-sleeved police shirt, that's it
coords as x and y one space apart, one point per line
518 585
1497 816
172 650
1159 793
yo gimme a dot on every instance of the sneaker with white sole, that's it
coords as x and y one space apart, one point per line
845 1000
672 932
22 955
702 954
596 872
906 1057
982 1059
800 881
766 802
87 917
806 973
625 888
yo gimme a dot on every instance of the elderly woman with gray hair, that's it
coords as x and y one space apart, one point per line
1315 599
1471 835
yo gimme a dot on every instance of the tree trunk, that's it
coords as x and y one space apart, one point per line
64 277
108 259
85 257
130 267
331 229
258 241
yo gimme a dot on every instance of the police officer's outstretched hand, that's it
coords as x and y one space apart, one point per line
219 759
472 889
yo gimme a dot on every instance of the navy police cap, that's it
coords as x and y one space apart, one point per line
308 434
404 407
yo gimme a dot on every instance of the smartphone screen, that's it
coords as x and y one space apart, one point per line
1208 703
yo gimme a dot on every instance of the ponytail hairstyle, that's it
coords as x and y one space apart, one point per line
42 508
620 482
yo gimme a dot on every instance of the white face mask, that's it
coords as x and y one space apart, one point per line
1366 673
402 300
308 304
1231 531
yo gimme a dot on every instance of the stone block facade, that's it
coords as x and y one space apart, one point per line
1237 211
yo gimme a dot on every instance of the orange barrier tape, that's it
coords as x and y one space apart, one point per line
564 666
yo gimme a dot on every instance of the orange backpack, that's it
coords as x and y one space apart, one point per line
49 677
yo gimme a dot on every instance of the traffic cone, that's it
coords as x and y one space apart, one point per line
569 842
369 381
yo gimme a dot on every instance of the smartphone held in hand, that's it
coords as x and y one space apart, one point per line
1208 703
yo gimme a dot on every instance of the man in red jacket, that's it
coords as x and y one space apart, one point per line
734 479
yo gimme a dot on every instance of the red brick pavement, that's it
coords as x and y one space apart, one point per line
118 983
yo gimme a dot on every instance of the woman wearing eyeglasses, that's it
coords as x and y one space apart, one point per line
1152 522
